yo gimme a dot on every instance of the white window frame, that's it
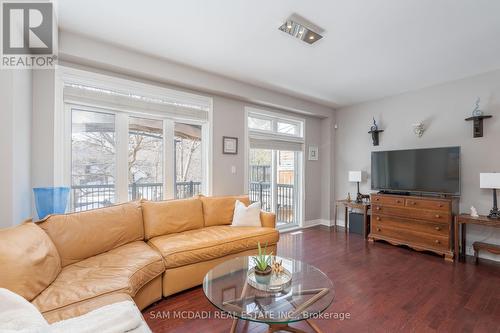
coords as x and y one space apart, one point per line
67 74
275 118
299 138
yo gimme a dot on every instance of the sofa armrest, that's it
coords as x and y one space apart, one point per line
268 219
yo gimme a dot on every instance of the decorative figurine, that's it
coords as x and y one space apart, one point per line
419 129
374 126
348 197
277 267
374 131
477 112
477 119
473 212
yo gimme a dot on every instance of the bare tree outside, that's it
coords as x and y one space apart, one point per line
94 159
188 160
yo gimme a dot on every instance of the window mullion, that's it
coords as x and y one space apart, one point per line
121 184
274 181
169 159
205 157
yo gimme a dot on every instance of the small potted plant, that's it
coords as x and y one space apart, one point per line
263 267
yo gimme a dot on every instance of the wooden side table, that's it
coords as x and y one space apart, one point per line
364 206
461 222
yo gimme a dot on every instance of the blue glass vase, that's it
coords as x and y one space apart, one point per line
51 200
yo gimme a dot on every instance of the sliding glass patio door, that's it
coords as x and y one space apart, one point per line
275 164
273 181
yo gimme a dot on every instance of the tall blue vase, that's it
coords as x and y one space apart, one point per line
51 200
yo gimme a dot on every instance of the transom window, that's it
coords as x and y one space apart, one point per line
260 121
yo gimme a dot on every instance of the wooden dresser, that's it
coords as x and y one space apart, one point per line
422 223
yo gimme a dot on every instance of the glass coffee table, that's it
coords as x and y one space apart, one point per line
306 297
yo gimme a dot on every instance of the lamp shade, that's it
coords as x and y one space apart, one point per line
489 180
355 176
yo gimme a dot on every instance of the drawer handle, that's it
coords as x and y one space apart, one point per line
440 205
377 199
438 228
378 208
437 241
378 229
413 203
398 201
378 218
438 216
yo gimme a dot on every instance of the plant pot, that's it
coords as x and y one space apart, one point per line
263 277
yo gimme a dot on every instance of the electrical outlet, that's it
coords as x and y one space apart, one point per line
469 250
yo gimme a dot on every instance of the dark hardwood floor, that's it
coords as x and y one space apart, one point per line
384 289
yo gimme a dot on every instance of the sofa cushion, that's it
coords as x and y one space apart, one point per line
29 261
219 210
167 217
194 246
123 269
78 236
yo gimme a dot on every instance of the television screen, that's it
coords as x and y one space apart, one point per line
434 170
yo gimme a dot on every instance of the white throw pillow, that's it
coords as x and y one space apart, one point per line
246 216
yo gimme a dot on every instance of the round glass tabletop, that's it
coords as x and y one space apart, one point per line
309 294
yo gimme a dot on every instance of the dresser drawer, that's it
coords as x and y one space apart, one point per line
387 200
410 237
436 229
434 216
428 204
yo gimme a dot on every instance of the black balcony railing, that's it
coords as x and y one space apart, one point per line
285 204
150 191
187 189
85 197
261 191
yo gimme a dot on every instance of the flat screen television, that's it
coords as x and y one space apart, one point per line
426 171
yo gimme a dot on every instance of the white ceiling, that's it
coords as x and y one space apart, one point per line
370 49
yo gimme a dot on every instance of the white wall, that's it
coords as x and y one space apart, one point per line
82 50
229 120
6 147
230 98
443 109
43 128
15 145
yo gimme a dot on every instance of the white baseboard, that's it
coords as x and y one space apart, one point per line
313 223
340 223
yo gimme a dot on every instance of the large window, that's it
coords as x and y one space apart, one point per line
275 164
130 145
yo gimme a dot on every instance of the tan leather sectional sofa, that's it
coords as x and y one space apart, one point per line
70 264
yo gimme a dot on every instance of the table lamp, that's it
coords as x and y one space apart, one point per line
355 176
491 181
